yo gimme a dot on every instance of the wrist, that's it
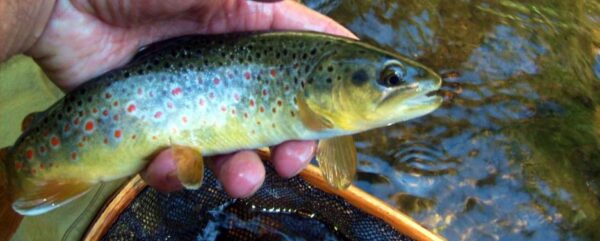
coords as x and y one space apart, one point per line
22 22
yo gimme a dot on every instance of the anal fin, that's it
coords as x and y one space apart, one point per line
337 159
190 166
9 219
46 196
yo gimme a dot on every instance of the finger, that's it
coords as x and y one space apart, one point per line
289 158
241 173
161 173
126 26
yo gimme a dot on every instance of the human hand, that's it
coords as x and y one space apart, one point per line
85 38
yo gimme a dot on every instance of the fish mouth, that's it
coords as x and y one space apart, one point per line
432 99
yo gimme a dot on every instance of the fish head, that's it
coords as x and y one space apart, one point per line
367 88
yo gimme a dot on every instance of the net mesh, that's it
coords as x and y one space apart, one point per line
283 209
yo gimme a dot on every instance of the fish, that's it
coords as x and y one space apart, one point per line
204 95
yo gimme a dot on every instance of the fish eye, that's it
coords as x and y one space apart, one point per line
392 75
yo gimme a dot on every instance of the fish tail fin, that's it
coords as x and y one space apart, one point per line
9 219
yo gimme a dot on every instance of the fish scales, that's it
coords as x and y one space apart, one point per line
201 92
219 94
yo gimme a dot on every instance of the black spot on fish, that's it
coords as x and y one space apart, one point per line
330 68
360 77
313 51
328 80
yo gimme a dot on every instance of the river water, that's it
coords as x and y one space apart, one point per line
514 154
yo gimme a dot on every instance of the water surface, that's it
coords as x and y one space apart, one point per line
515 155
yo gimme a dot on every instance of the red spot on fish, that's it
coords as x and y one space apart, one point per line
157 115
29 154
216 81
176 91
80 144
41 166
116 103
262 109
201 102
107 95
264 92
73 156
131 108
89 126
251 103
105 112
32 170
117 134
274 73
54 141
247 75
18 165
184 119
95 110
223 108
236 97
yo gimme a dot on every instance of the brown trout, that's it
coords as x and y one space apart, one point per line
207 95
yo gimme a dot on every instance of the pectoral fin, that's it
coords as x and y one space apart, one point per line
311 119
337 160
190 166
43 197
